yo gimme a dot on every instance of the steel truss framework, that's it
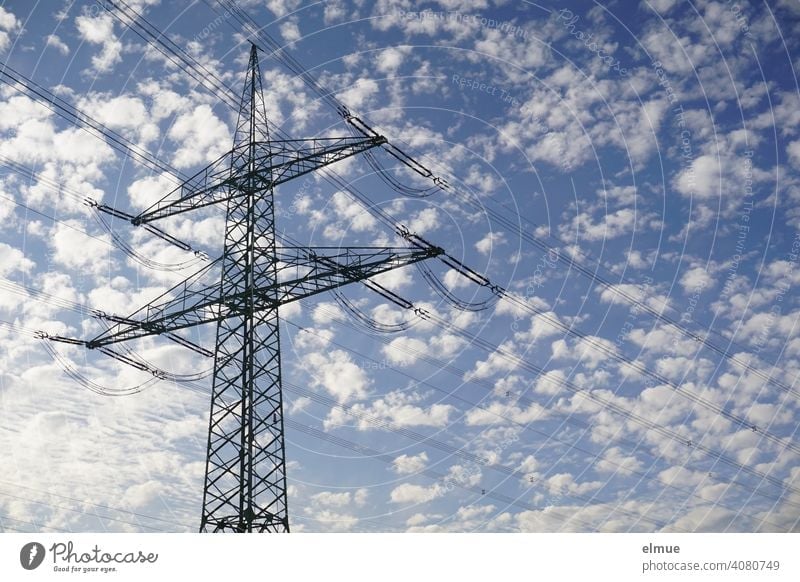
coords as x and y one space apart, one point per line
245 477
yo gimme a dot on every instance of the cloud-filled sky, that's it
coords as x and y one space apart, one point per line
628 171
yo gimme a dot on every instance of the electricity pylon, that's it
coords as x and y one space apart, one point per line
245 478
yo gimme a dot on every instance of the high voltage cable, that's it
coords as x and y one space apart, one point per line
628 361
81 308
72 509
444 478
451 261
591 395
449 449
720 457
637 447
98 505
291 63
225 93
85 122
611 406
438 444
300 327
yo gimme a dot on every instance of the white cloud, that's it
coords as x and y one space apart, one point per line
413 494
409 464
332 499
424 221
793 151
354 216
551 382
390 59
405 350
18 109
33 140
611 225
501 413
100 30
455 280
7 19
360 94
615 461
334 11
678 54
334 521
9 24
417 519
290 31
395 279
141 495
696 278
75 250
13 260
543 325
624 195
497 362
446 345
528 53
126 114
398 408
336 372
200 137
58 44
564 483
486 245
327 312
590 350
142 469
146 191
725 177
661 6
281 8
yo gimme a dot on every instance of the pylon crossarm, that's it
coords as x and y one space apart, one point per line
202 186
318 272
283 160
346 257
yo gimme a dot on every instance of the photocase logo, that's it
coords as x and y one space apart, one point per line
31 555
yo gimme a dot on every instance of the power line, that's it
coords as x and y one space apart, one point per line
506 295
73 510
80 308
80 119
521 400
280 54
98 505
439 364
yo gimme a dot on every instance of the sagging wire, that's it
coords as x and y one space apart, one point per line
34 176
126 354
199 256
441 289
72 372
367 322
556 323
388 178
132 358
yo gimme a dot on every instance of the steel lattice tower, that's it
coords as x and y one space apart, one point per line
245 478
245 483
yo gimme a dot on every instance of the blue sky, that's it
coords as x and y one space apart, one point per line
630 172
